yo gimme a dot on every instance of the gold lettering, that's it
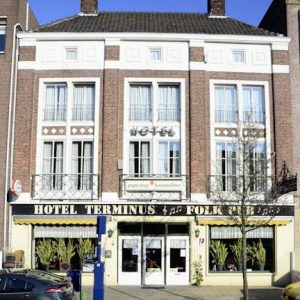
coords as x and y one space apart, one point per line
72 210
151 209
125 210
97 209
106 210
142 209
190 210
132 209
116 210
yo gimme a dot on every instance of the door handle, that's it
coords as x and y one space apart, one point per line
26 296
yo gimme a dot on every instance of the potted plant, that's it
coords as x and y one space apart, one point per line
237 250
84 246
45 251
197 271
258 253
65 251
219 252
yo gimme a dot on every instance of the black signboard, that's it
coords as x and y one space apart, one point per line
148 210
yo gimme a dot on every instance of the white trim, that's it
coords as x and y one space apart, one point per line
198 197
112 42
197 43
248 39
112 64
281 69
280 45
110 197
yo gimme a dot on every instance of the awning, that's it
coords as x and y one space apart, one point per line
64 232
226 221
54 221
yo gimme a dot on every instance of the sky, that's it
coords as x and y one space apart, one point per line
248 11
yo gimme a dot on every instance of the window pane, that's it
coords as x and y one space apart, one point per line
238 57
155 54
71 54
169 158
84 102
225 104
140 102
139 158
2 34
55 103
169 103
253 104
14 285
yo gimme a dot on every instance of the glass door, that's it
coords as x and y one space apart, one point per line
177 260
129 269
153 264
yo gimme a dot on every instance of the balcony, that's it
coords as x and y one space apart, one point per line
153 187
231 187
65 186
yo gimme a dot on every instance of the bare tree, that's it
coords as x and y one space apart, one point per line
243 182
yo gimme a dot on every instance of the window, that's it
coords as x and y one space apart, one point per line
139 158
140 102
2 34
257 167
84 102
169 158
71 54
155 54
225 104
15 285
55 102
239 56
169 103
52 165
2 283
226 166
229 235
253 104
82 165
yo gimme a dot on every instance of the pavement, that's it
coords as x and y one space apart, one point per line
186 293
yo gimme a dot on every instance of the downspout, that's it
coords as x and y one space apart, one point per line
27 16
8 164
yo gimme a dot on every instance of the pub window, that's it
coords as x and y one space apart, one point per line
229 235
2 34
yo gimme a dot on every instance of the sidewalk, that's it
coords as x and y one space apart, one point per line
186 293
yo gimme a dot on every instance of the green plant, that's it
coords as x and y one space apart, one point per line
197 271
84 246
65 250
258 253
45 250
219 252
237 250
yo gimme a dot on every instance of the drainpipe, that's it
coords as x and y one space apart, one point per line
27 16
8 164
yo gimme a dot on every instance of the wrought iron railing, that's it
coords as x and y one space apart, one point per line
65 186
218 185
54 114
166 187
83 114
168 114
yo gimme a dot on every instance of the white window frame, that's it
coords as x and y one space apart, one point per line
73 50
239 51
178 126
158 50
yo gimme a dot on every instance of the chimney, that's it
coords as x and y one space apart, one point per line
216 7
89 7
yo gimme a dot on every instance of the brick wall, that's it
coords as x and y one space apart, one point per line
112 52
89 6
197 54
27 53
216 7
280 57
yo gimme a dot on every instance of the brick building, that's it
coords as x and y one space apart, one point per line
283 17
15 16
134 116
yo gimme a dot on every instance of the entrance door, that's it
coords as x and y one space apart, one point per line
129 260
153 263
177 260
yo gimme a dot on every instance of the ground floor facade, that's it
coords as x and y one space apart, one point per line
164 249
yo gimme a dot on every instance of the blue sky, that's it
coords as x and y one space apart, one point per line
248 11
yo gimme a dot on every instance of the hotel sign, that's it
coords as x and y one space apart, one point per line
153 185
147 210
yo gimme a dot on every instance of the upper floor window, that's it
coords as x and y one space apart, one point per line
253 104
155 54
225 104
239 56
169 158
71 54
2 34
140 102
139 158
55 102
84 102
169 103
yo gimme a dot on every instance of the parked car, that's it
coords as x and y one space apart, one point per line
35 285
291 292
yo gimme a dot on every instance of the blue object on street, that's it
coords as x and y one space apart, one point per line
99 266
76 279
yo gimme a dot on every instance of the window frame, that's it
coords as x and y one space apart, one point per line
239 51
3 33
157 50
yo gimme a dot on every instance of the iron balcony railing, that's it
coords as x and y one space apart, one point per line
218 185
65 186
54 114
165 187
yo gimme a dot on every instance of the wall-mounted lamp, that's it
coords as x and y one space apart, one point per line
110 233
197 233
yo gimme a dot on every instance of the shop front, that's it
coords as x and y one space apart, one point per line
159 244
